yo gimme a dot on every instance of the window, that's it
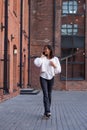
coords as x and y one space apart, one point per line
69 7
69 29
73 39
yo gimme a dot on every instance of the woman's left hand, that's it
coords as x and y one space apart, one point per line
52 64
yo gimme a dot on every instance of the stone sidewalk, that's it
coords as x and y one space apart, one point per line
24 112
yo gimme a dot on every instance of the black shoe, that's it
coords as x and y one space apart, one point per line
45 117
48 114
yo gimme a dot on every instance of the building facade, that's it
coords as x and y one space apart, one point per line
14 39
26 26
63 25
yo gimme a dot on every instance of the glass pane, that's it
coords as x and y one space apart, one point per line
63 31
69 26
75 31
75 64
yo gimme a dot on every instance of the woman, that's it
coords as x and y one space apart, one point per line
50 66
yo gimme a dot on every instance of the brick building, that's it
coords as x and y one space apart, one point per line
26 26
14 17
63 25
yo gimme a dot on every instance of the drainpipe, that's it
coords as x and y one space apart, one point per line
54 23
5 83
21 24
29 12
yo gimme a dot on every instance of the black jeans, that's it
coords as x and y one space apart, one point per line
46 86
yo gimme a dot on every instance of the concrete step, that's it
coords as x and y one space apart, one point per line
29 91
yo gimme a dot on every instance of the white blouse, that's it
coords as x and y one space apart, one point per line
47 70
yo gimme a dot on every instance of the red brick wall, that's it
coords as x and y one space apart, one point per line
42 33
1 44
14 30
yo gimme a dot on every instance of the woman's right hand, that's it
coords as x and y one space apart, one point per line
42 55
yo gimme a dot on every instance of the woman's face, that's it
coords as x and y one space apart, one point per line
46 51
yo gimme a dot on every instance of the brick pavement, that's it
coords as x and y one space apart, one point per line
69 112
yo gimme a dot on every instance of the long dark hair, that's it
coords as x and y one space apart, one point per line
51 50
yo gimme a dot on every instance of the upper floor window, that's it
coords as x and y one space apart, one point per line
69 7
69 29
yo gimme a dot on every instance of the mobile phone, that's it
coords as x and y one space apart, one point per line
43 53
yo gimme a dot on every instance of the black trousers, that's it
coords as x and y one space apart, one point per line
46 86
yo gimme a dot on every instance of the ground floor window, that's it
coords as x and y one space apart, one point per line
74 64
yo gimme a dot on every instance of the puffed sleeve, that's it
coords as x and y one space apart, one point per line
57 70
38 62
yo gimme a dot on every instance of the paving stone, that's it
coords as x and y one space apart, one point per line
24 112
